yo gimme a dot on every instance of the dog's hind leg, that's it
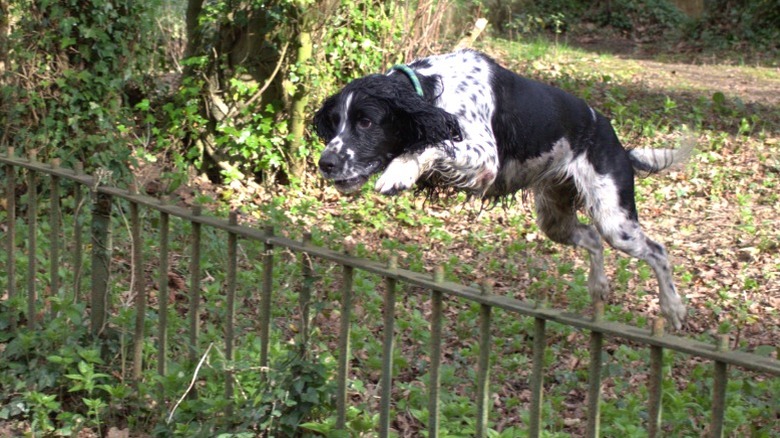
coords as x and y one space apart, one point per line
629 238
609 201
556 215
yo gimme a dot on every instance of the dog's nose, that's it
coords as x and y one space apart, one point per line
328 162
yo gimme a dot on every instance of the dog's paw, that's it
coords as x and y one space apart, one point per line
598 286
674 311
400 175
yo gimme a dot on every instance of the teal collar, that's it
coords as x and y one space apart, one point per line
411 75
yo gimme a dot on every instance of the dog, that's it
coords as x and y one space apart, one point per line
462 121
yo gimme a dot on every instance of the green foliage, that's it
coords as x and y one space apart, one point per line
646 18
231 114
748 25
70 65
38 363
736 24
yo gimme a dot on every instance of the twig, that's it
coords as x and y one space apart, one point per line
192 383
267 84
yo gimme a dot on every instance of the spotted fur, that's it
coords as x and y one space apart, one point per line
481 128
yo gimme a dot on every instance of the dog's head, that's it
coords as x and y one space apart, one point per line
373 120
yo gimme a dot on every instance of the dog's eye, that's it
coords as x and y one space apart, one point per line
364 123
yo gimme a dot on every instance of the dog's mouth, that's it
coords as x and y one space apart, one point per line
350 185
354 183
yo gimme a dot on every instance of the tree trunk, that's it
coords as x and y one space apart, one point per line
194 7
295 158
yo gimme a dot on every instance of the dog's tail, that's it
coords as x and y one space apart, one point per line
656 160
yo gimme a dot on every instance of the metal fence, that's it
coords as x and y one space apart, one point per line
103 196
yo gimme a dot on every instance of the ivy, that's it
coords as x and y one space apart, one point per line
64 90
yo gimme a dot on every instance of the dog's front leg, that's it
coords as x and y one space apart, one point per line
405 169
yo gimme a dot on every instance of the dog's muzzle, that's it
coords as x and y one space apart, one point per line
347 177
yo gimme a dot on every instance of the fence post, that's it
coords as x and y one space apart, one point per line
162 302
265 297
537 373
483 365
387 351
655 383
232 262
10 235
344 350
720 380
307 272
435 374
139 288
32 242
54 240
101 256
594 373
78 248
194 309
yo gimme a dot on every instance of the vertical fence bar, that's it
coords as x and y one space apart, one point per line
307 272
162 302
537 373
265 297
655 383
139 288
78 248
594 374
32 242
483 365
54 240
344 350
387 352
720 379
100 235
10 235
435 374
232 262
194 309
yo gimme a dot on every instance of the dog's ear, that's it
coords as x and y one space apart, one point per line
323 119
426 124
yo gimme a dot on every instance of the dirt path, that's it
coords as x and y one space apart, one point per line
686 69
759 85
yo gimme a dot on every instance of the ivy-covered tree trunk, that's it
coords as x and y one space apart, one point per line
237 58
4 31
194 8
256 70
67 71
296 155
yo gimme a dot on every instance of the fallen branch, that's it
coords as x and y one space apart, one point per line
468 40
192 383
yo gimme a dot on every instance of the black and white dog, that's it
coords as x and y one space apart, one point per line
461 120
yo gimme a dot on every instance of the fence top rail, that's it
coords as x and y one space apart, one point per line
38 166
681 344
